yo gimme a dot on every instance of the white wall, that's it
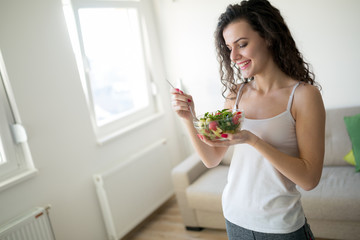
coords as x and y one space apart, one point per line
42 70
327 33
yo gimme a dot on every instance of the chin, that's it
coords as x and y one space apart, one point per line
247 75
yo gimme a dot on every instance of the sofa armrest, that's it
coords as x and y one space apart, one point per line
187 171
183 175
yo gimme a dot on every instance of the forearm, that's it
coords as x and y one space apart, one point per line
303 172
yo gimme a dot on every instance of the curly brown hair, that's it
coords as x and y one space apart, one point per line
270 25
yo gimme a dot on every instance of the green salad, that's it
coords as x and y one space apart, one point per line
214 124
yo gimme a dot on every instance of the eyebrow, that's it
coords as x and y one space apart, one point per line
237 40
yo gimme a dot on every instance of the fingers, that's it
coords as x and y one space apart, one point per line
176 90
180 100
231 139
181 103
215 142
183 96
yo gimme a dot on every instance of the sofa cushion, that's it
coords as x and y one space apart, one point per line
353 128
205 193
337 141
336 197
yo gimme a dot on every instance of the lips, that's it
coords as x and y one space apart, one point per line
244 64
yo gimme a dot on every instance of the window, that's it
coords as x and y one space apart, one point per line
109 41
15 159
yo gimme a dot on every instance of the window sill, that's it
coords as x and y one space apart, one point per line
20 177
108 137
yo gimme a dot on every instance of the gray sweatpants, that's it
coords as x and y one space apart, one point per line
236 232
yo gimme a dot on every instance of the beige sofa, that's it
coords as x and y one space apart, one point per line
332 208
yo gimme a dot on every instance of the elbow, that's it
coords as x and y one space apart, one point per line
311 180
210 162
310 185
210 165
308 188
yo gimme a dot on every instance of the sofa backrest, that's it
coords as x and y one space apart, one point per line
337 141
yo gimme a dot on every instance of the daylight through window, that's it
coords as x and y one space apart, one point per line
112 52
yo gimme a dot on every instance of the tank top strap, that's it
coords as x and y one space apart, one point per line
238 96
292 97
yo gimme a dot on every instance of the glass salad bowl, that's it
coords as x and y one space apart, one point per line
214 124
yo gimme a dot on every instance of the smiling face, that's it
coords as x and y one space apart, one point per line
247 49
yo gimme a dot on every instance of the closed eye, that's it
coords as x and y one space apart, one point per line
243 45
239 46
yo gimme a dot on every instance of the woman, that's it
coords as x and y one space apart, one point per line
281 144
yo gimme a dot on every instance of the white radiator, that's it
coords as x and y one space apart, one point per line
132 190
33 225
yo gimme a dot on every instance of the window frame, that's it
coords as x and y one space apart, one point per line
126 124
19 166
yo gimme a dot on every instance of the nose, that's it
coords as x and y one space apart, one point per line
235 55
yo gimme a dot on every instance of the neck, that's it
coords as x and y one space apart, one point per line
271 78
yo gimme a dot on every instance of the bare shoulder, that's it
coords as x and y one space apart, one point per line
307 94
307 99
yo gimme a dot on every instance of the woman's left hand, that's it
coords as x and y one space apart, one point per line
243 136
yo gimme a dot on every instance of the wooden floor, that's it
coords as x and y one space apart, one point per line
166 223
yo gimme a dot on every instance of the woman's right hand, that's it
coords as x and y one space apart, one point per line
180 104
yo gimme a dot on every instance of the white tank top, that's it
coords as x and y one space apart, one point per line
257 196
